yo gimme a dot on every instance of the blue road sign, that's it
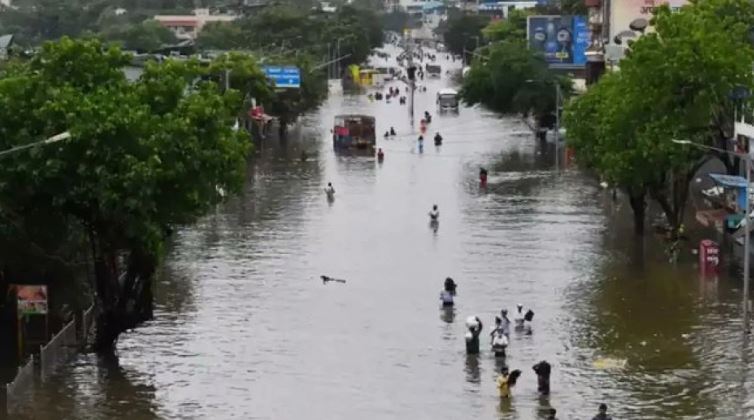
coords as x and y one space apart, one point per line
283 77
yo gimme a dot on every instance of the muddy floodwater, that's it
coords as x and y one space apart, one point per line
244 328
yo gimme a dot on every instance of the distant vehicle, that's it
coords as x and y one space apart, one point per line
447 100
385 74
354 131
434 71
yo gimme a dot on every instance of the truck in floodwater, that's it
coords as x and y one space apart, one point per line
354 131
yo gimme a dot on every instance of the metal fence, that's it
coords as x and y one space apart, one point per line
56 352
12 392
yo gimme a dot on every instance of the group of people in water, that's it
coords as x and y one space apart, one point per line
425 121
499 336
393 92
500 339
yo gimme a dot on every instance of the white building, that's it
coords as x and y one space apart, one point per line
502 8
189 26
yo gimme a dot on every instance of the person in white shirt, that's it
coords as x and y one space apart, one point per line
505 323
518 317
434 215
329 190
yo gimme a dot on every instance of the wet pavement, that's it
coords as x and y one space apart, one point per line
244 328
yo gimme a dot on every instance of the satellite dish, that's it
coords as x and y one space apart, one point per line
639 24
618 39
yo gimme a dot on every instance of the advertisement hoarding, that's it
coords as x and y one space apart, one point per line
562 40
623 12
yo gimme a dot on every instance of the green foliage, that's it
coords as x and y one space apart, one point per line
674 84
285 35
564 7
289 104
284 29
144 156
220 36
513 28
397 21
246 76
511 79
146 36
460 30
33 21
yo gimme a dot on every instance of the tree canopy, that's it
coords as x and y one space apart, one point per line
512 79
460 30
146 36
144 157
511 28
675 83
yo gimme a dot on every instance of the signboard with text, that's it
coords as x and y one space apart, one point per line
562 40
623 12
31 300
283 76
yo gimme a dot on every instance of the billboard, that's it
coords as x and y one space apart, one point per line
623 12
562 40
283 76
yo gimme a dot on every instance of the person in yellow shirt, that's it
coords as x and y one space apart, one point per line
507 380
502 383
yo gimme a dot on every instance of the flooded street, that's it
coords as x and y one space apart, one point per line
244 328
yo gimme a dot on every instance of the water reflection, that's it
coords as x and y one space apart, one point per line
447 314
94 388
473 372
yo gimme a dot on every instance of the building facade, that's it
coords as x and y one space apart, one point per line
189 26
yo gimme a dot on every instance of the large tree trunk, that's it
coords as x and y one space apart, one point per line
636 197
673 202
124 297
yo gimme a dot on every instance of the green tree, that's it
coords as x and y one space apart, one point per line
674 84
604 140
289 104
397 21
144 157
564 7
244 75
512 28
33 21
511 79
143 37
460 30
220 36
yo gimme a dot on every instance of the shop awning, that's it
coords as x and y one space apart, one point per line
731 181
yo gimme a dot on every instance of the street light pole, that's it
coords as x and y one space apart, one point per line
337 65
747 227
54 139
557 125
